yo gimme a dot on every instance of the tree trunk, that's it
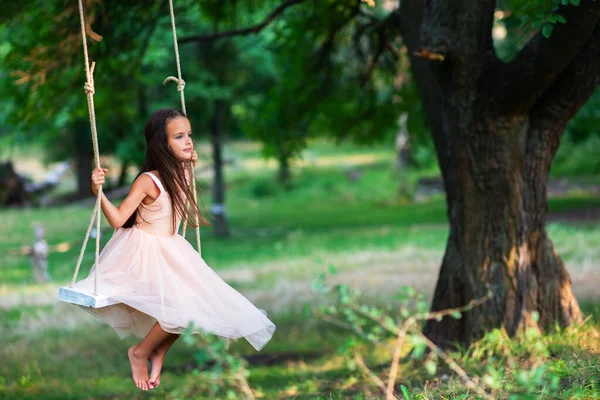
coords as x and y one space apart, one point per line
496 128
218 208
123 175
84 158
403 155
284 175
498 241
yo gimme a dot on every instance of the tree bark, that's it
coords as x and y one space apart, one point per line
284 173
498 241
123 175
221 228
495 162
83 158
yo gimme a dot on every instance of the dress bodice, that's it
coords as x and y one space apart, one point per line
157 218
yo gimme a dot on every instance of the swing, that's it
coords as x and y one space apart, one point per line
68 293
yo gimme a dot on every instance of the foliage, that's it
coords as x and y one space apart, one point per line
524 367
323 87
44 72
217 372
578 158
133 51
315 71
585 124
545 15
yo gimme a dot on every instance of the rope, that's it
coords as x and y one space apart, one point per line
89 91
180 87
179 80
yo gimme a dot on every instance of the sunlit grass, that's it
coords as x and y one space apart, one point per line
280 239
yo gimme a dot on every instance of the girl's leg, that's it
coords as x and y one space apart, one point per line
156 359
139 354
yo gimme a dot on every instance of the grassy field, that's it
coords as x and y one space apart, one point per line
281 240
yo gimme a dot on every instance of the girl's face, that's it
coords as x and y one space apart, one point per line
179 138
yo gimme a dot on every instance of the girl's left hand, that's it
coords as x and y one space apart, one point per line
194 157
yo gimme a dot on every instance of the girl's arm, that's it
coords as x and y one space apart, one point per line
117 216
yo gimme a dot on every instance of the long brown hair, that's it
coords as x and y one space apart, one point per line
172 171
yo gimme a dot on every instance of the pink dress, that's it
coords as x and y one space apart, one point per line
158 276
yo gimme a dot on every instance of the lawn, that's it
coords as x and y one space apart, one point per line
280 241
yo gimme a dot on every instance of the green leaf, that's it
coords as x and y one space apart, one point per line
456 315
431 367
561 19
575 2
418 351
388 321
306 310
405 392
547 30
565 2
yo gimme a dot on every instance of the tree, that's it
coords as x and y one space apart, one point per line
229 72
496 125
43 70
308 88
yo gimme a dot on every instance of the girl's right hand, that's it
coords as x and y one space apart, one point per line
98 179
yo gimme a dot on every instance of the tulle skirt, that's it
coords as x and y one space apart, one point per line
163 279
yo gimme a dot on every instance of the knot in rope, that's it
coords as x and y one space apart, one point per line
89 88
180 82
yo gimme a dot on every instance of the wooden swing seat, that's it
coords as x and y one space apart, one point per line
85 299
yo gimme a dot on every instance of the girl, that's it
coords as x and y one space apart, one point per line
163 285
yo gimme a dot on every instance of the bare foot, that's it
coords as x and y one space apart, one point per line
156 362
139 369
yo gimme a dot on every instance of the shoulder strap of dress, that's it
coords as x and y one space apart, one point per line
156 180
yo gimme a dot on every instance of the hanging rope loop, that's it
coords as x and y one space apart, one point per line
180 82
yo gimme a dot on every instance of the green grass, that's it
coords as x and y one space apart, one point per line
89 362
38 364
280 239
306 220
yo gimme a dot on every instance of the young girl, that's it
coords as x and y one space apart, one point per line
163 284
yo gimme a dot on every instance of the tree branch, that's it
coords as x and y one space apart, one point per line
457 28
529 75
427 75
397 22
243 31
571 90
382 44
385 30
